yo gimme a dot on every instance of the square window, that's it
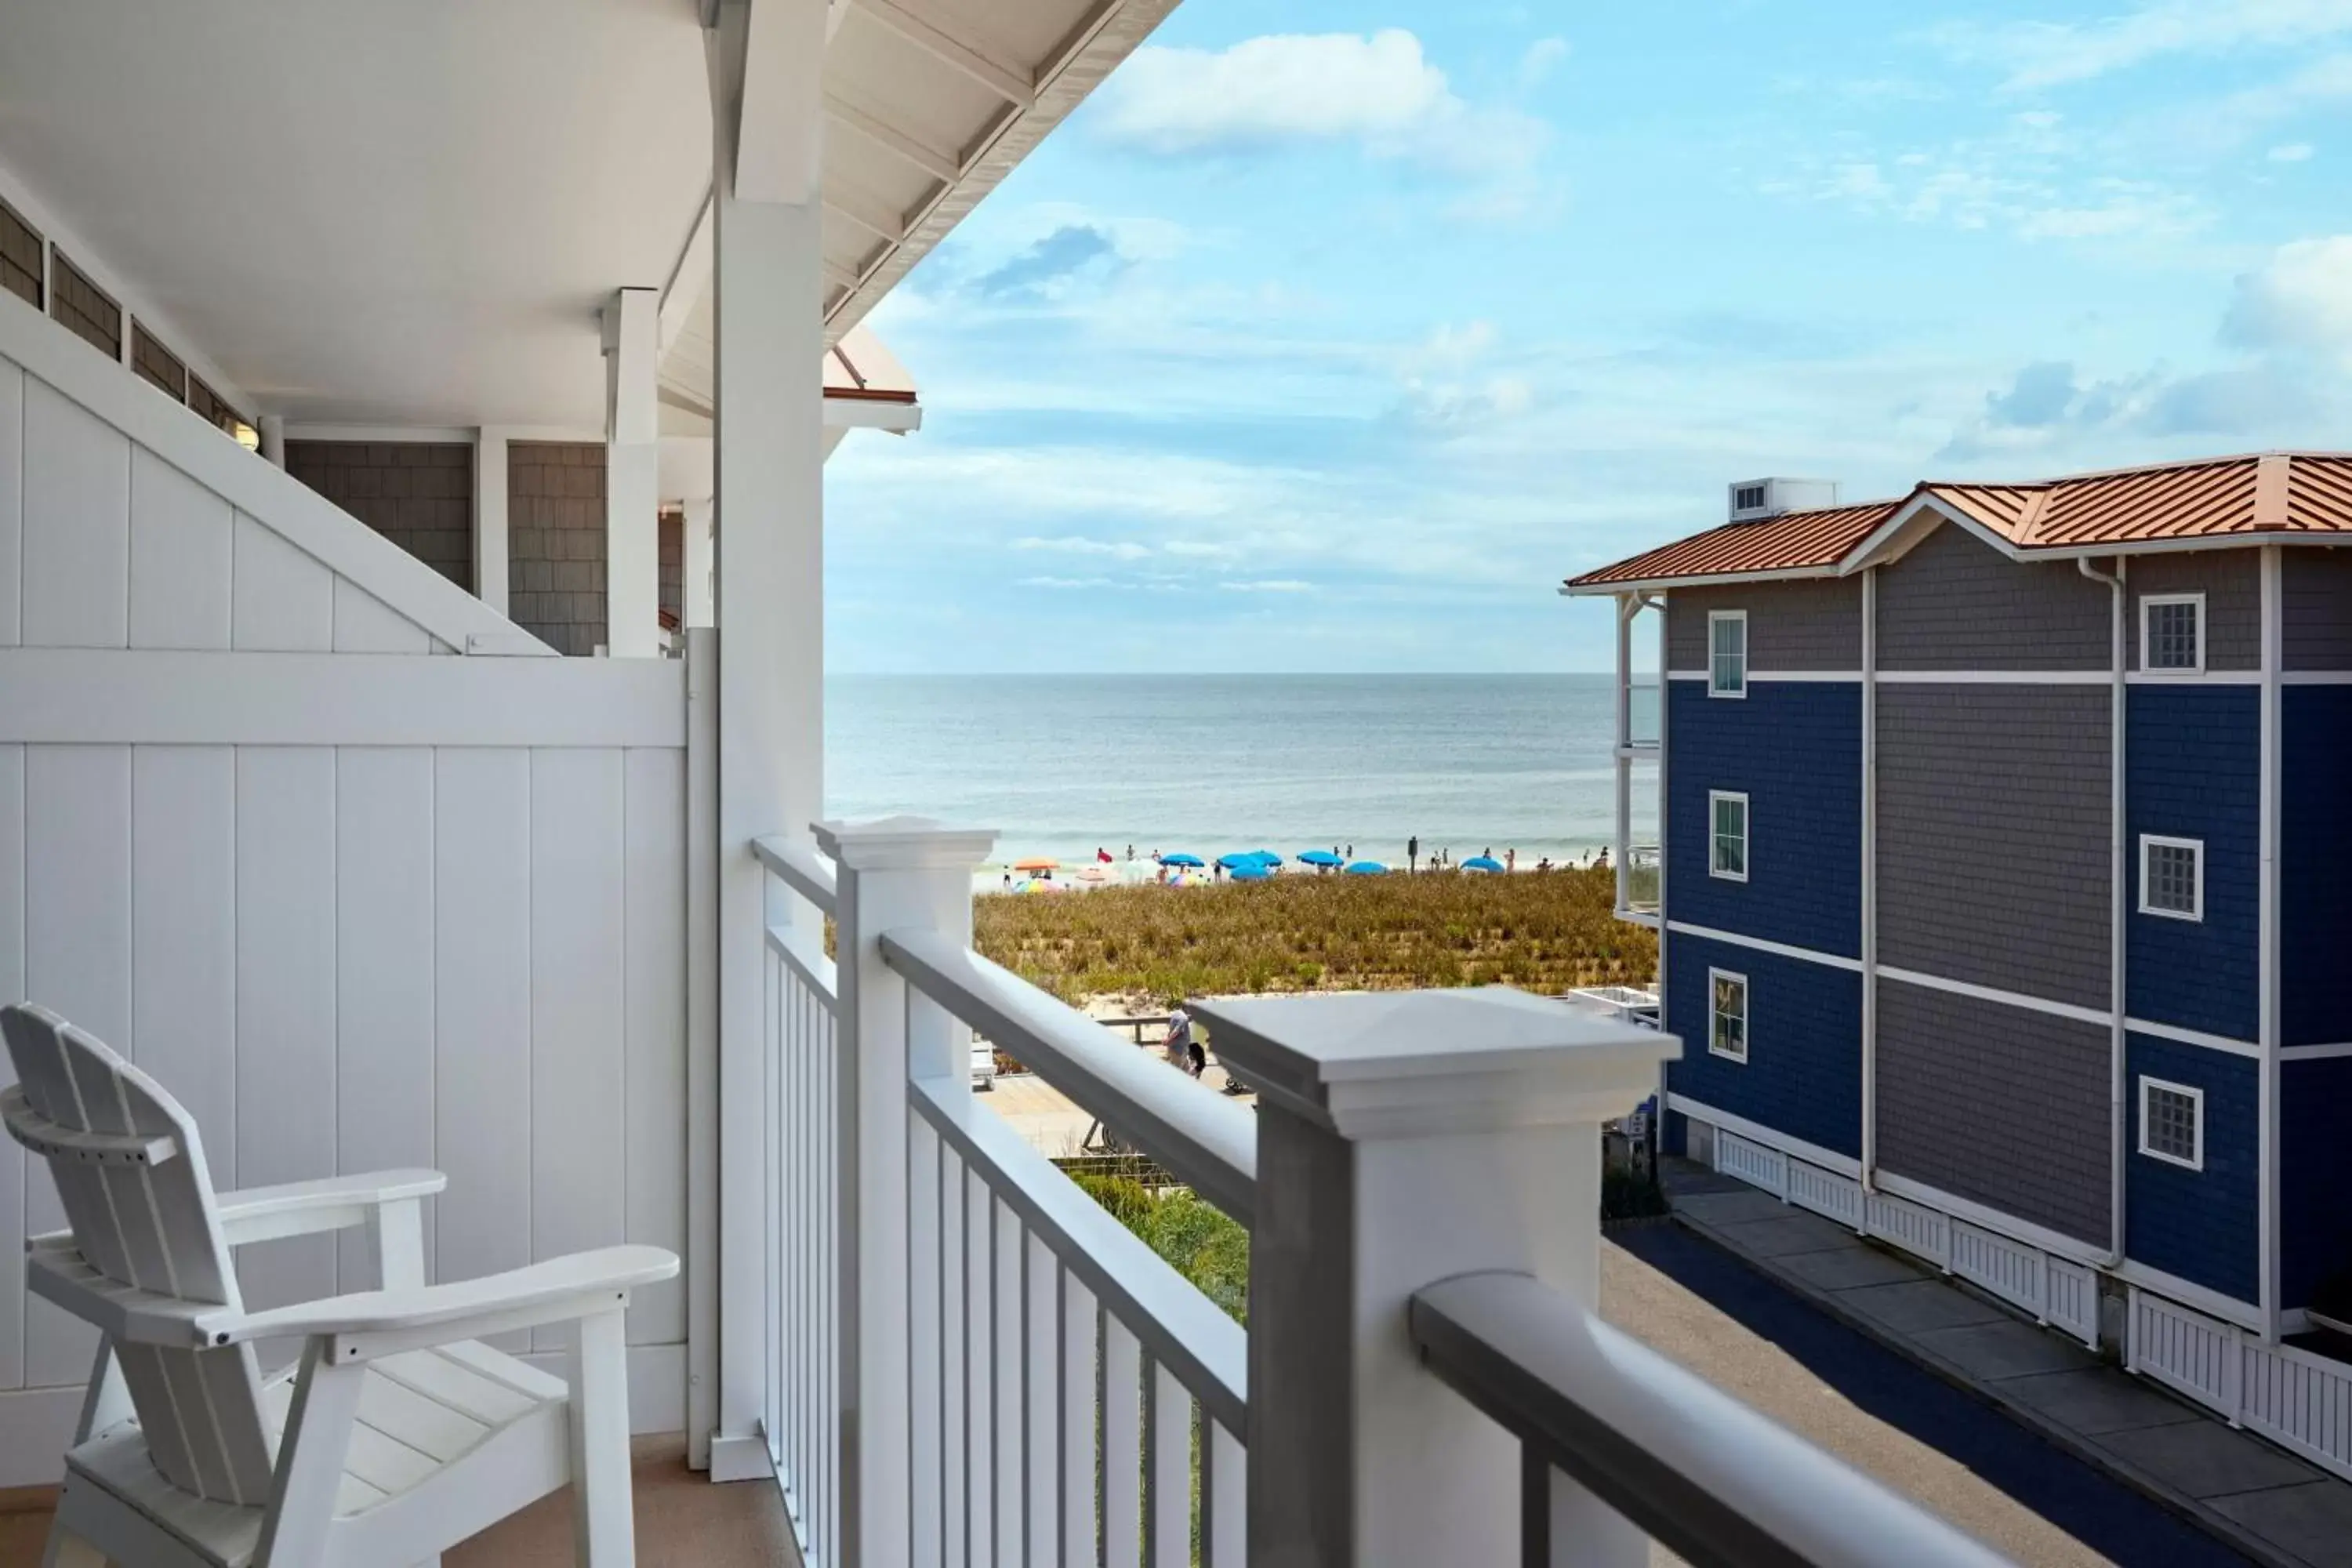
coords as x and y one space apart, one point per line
1727 833
2172 876
1726 1008
2171 633
1726 653
2172 1123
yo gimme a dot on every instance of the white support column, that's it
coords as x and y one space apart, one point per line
631 476
1402 1141
898 873
696 605
490 517
272 430
768 291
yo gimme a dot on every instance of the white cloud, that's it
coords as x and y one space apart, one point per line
2291 153
2052 54
1379 92
1542 57
1270 586
1064 582
1077 544
2300 300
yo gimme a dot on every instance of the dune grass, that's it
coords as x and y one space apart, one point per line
1545 932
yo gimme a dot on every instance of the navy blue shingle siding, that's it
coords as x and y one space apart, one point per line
2201 1225
2194 755
2314 1174
1803 1072
2315 849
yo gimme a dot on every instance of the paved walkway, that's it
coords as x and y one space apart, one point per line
2263 1502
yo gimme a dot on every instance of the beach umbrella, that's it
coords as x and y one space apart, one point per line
1038 864
1482 863
1238 858
1251 871
1365 869
1319 858
1193 861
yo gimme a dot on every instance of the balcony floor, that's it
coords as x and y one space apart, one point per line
683 1522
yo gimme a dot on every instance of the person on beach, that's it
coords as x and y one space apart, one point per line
1412 852
1510 859
1350 855
1176 1046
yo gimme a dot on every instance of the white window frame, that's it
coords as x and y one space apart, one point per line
1746 836
1713 617
2152 840
1746 1038
2147 601
2195 1096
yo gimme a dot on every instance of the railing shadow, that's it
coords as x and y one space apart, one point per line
2101 1512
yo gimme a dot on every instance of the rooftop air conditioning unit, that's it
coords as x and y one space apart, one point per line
1754 499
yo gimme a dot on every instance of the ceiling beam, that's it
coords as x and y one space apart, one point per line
840 276
947 42
890 139
866 212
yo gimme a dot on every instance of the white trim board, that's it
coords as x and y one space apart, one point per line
2315 1053
2189 1293
2180 1035
1709 934
393 435
1817 675
118 697
1812 1153
1996 676
2098 1015
2315 677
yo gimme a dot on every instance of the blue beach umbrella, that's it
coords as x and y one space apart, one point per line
1319 858
1192 861
1365 869
1482 863
1237 859
1251 871
1265 856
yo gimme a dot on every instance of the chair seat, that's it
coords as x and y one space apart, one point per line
420 1413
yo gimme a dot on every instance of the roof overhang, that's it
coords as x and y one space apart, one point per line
1658 584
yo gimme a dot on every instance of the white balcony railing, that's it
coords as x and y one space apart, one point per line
972 1361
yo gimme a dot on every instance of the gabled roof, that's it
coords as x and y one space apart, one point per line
2224 499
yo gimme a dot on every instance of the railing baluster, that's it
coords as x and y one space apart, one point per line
1007 1367
1081 1320
1041 1455
979 1371
1122 1447
923 1152
1224 1498
954 1450
1168 1499
772 981
829 1269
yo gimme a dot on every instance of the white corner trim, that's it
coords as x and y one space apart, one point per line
2006 998
1683 928
2175 1033
1812 1153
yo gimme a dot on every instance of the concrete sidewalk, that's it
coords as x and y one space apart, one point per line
2256 1497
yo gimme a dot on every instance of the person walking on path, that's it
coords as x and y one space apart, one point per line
1176 1046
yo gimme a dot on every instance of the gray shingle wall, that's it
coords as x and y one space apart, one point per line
2316 588
74 301
1993 852
555 542
1954 603
1809 623
1999 1104
2231 581
418 494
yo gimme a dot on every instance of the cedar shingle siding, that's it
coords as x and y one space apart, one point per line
555 542
418 494
2231 581
20 257
1809 624
2315 586
76 302
1954 603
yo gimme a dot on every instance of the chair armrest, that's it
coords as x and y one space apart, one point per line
381 1322
333 1203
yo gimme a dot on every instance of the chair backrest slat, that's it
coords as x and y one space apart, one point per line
151 1226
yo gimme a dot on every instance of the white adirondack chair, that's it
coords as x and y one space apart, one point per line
398 1435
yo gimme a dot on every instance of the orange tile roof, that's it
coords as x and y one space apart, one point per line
2221 498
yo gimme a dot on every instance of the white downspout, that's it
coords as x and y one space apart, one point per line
2117 1121
1870 880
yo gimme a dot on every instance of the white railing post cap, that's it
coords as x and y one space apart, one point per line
904 844
1401 1064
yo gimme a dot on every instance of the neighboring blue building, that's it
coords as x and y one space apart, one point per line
1999 907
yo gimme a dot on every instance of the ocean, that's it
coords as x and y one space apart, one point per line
1061 765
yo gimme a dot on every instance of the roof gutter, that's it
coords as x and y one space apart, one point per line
2117 1119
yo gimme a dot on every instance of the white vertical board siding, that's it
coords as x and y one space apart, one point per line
12 983
383 975
482 1001
76 526
12 505
77 896
578 970
653 877
366 623
283 601
285 1001
184 936
180 558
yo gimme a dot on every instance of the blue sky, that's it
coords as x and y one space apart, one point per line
1329 337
